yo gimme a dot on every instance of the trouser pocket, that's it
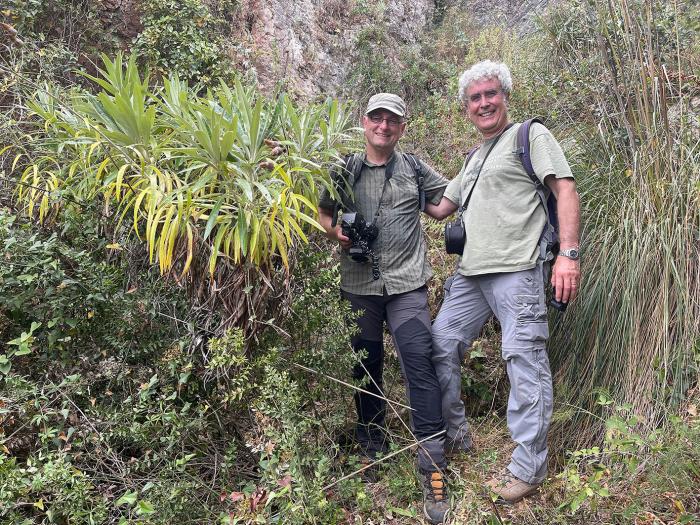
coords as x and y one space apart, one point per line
531 318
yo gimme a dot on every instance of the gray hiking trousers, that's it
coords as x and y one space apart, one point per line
518 301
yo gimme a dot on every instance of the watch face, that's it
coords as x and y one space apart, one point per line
571 253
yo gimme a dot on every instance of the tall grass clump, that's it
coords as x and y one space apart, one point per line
634 330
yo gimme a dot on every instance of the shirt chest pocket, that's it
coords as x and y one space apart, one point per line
403 194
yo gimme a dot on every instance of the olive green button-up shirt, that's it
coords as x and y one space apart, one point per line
400 246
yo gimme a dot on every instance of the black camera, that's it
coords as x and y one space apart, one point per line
361 234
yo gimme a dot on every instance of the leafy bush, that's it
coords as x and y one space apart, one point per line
635 472
73 24
182 37
56 37
63 298
117 419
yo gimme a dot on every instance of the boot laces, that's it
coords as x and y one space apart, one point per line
435 484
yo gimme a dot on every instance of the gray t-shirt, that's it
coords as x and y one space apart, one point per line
504 217
400 246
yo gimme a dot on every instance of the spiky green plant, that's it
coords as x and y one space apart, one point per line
229 176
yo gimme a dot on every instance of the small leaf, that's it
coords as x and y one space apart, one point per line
145 507
23 349
409 513
127 499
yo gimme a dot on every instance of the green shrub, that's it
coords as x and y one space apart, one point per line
182 37
57 37
60 300
634 472
373 71
48 487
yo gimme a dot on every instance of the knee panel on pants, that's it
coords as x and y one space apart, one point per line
415 349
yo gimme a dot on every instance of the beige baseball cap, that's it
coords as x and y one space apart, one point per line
388 101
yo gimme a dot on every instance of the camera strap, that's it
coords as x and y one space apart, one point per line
469 157
388 173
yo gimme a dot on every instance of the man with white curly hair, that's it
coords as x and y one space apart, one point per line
503 270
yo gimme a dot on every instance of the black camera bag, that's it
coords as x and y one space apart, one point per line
455 236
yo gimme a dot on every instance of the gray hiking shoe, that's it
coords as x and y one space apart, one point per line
509 488
436 503
462 445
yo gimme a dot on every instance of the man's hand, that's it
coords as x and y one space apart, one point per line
337 234
566 273
566 277
325 218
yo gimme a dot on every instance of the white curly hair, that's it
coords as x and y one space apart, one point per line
484 70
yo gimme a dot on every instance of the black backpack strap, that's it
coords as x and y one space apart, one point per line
417 166
523 150
550 236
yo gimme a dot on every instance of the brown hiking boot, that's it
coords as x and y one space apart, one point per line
509 488
436 504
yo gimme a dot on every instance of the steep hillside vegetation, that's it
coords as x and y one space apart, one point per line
174 347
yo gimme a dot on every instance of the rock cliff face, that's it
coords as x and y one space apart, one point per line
520 15
312 42
309 43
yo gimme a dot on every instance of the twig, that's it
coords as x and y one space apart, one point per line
384 458
391 402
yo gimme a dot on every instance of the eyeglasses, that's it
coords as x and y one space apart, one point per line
488 95
377 119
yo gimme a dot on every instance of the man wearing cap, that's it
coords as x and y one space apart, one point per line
385 189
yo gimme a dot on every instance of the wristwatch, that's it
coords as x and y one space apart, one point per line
571 253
